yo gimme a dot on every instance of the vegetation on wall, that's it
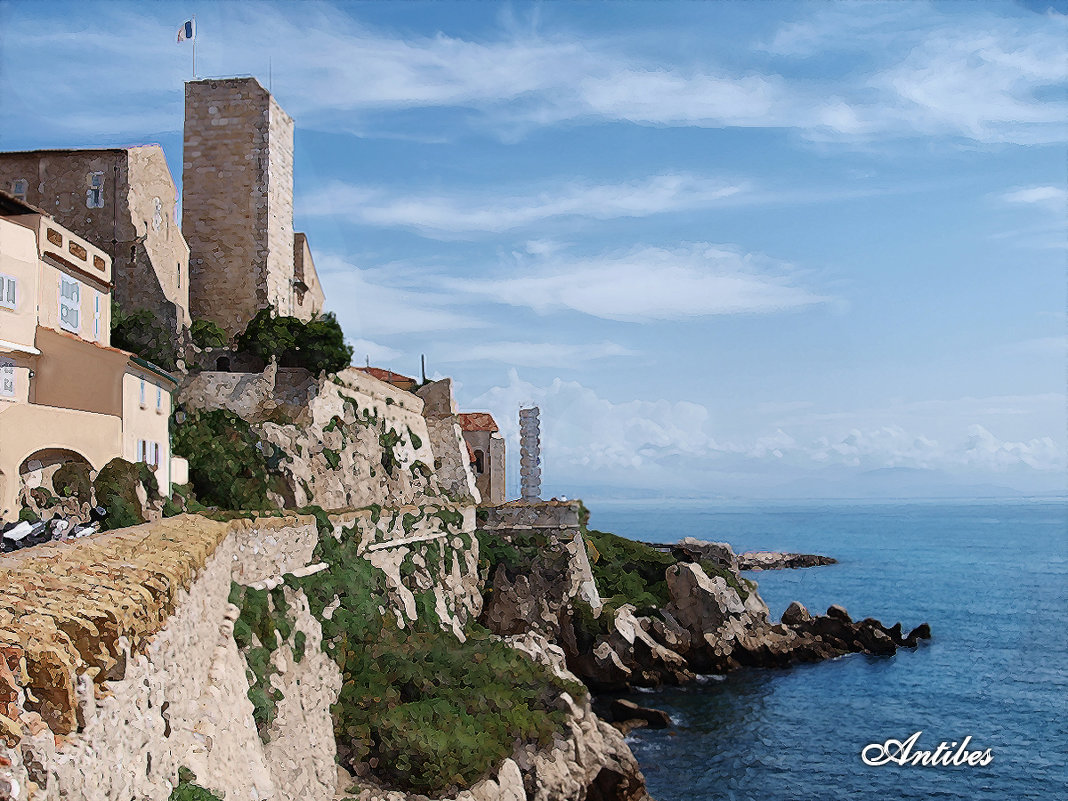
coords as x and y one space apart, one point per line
228 464
421 710
316 345
142 333
189 790
208 334
263 626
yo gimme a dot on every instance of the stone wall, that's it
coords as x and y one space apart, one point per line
143 239
278 290
355 441
452 463
127 641
121 665
307 302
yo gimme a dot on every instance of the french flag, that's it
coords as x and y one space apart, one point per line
187 31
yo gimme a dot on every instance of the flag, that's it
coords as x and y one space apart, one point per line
187 31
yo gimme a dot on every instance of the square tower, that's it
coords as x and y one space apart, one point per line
237 202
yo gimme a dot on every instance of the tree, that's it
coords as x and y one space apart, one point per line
316 345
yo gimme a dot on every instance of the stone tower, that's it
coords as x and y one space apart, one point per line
237 202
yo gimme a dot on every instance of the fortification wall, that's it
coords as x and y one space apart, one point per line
122 665
350 439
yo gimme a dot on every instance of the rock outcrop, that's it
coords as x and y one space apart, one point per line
714 621
777 560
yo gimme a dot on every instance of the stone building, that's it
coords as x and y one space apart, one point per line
487 454
65 394
237 206
123 200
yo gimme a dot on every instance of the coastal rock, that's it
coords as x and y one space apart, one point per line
721 553
623 711
778 560
795 614
537 597
839 613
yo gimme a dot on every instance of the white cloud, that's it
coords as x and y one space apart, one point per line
380 301
582 431
484 211
1053 195
534 354
366 349
681 446
982 76
649 283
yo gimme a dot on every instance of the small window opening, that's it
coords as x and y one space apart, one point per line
479 462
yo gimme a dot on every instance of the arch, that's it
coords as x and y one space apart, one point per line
39 467
222 364
480 462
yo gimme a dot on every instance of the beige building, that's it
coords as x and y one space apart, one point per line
487 455
65 393
237 207
125 201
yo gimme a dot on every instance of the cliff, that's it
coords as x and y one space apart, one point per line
279 655
239 650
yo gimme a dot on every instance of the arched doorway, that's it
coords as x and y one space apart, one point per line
38 469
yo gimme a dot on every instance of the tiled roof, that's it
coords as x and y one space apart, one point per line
478 421
386 375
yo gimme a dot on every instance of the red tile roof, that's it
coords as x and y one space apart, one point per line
388 376
477 421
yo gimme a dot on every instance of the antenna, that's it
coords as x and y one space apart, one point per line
422 360
270 75
368 359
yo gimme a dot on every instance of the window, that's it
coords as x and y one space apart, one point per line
148 452
8 291
70 296
19 187
480 462
179 275
159 400
142 393
96 316
94 195
7 378
157 213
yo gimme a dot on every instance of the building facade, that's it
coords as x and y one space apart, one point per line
237 207
65 394
487 455
124 200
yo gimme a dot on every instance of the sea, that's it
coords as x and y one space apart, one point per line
991 578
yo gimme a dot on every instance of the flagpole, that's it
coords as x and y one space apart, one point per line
194 47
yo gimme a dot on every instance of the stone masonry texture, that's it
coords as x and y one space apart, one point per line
135 222
237 201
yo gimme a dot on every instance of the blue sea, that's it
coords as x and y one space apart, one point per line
990 578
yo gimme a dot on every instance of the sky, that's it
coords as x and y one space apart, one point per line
731 249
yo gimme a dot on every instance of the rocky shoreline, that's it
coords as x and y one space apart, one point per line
714 621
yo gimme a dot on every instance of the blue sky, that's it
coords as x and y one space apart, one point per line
732 249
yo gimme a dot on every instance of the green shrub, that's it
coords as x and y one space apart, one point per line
188 790
143 334
71 480
228 465
116 490
628 572
208 334
316 345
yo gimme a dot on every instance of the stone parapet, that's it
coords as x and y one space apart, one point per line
521 515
